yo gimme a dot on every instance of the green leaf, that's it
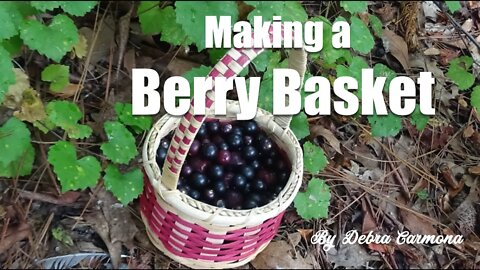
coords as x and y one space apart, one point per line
299 125
191 16
458 72
265 96
155 20
201 71
66 114
138 123
73 174
76 8
13 45
453 5
422 194
354 6
314 159
215 54
475 99
54 40
418 119
380 70
126 187
12 14
376 24
361 39
62 236
328 53
57 75
385 125
314 202
261 62
7 76
120 147
289 10
14 140
354 70
20 167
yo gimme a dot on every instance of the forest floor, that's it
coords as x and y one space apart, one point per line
425 182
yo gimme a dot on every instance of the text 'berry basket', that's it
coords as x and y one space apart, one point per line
197 234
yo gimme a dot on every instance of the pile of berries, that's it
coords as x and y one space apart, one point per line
231 164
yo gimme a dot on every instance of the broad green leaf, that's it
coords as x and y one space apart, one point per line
138 123
261 61
385 125
314 159
20 167
314 202
13 45
361 39
14 141
422 194
458 72
7 76
57 75
76 8
354 6
380 70
299 125
289 10
475 99
54 40
265 96
453 5
418 119
376 25
120 147
66 115
62 236
354 70
126 187
201 71
328 53
73 173
216 54
191 16
155 20
12 14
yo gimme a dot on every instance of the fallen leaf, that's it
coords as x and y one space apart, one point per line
369 223
474 170
382 248
13 96
416 224
278 255
129 61
431 51
397 46
328 136
305 233
80 49
68 91
31 107
294 238
350 255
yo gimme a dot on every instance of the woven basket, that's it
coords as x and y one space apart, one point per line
194 233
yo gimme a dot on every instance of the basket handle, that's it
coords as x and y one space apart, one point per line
231 64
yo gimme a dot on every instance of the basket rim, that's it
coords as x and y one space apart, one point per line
175 197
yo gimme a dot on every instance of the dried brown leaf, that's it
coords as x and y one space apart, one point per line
397 46
278 255
331 139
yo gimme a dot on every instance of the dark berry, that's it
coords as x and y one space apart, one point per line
256 164
247 140
222 146
237 130
213 127
219 186
265 145
249 152
248 188
258 185
161 155
250 127
267 177
234 141
234 200
283 177
199 180
194 148
236 159
224 157
199 165
277 189
209 150
248 172
195 194
186 169
228 179
281 164
164 144
202 131
256 197
184 189
220 203
249 204
269 162
205 141
227 128
216 172
209 195
239 182
217 140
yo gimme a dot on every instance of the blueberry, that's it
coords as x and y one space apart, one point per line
267 177
256 164
269 162
199 165
237 130
249 204
277 189
283 177
184 189
164 143
234 140
213 127
236 159
209 195
205 141
199 180
217 140
247 140
226 128
228 179
281 164
209 150
186 169
195 194
239 182
249 152
250 127
224 157
220 203
234 200
194 148
256 197
202 131
216 172
219 186
161 155
265 145
248 172
258 185
222 146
